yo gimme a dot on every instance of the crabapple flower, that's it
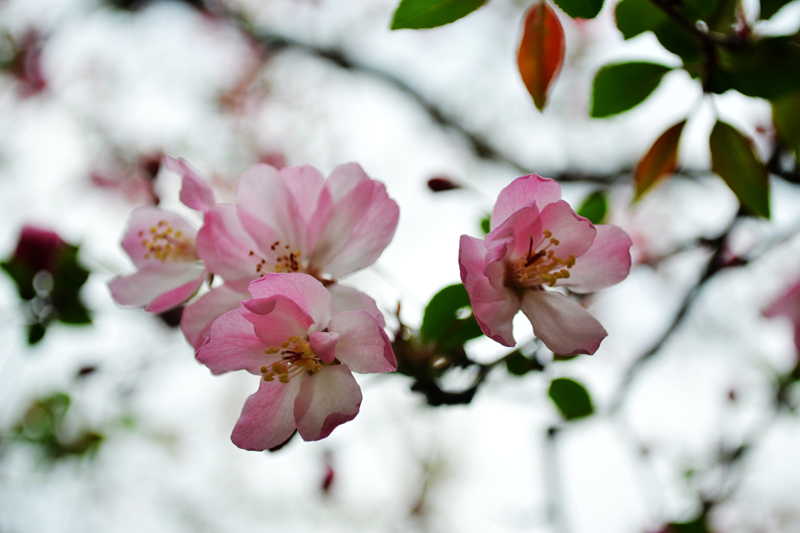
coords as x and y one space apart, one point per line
293 220
162 247
788 305
303 352
538 242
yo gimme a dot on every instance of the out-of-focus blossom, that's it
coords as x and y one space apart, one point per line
26 65
162 247
788 305
293 220
134 180
304 352
538 242
37 249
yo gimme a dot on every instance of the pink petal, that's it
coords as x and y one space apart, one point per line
561 323
521 232
198 316
267 418
305 184
362 225
176 296
608 261
232 345
140 225
323 344
574 233
325 400
276 319
346 298
522 192
196 193
267 206
304 290
143 287
788 304
493 305
344 178
363 344
226 248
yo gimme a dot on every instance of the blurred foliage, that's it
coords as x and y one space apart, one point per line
43 425
571 398
48 278
419 14
594 207
659 162
622 86
541 51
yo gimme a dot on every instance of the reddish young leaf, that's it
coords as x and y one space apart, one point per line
659 161
541 51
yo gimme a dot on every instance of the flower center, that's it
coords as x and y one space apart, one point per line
165 243
285 260
541 265
296 356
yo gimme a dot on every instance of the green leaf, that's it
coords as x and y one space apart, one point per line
621 86
36 332
519 365
419 14
448 319
733 158
697 525
786 117
571 398
637 16
585 9
594 207
765 68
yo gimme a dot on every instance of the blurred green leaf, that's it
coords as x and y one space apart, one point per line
637 16
444 322
594 207
519 365
420 14
697 525
764 68
36 332
585 9
770 7
621 86
733 158
486 224
786 117
571 398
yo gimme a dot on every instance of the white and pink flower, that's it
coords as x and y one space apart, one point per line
538 242
303 352
788 305
291 220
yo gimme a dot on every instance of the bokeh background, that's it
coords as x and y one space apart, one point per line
113 426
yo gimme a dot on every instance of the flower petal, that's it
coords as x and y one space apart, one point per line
143 223
607 262
561 323
326 400
232 345
267 418
305 184
323 344
493 305
228 250
522 192
520 233
276 319
266 206
143 287
176 296
198 316
363 344
574 233
196 193
346 298
360 227
304 290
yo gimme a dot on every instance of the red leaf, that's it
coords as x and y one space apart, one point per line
541 51
659 161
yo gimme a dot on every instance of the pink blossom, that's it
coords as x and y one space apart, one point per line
788 305
537 242
288 334
162 247
293 220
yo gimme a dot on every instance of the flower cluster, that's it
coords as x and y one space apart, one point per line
537 242
281 312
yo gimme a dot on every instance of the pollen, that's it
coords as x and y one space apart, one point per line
296 356
163 243
541 266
